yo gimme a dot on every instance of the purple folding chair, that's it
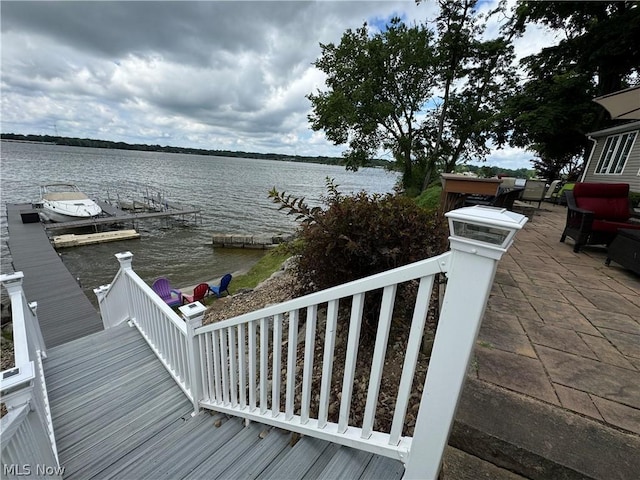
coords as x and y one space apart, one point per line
171 297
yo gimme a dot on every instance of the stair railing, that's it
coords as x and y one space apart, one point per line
241 362
28 443
129 298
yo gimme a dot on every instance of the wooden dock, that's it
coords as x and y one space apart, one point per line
114 215
64 311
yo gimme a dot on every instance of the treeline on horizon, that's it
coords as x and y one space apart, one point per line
91 143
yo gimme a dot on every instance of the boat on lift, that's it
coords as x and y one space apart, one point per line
64 202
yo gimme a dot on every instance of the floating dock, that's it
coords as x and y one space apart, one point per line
239 240
73 240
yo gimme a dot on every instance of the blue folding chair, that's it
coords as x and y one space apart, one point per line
223 287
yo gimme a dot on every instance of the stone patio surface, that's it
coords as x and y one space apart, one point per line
563 328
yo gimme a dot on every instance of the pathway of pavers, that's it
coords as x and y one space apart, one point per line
564 328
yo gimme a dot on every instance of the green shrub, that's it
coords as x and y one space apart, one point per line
360 235
430 198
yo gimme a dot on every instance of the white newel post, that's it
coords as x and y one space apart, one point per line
125 259
479 238
24 367
34 331
193 314
100 293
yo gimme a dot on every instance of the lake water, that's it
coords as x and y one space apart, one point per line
232 194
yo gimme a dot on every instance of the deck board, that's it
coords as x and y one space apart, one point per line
64 311
117 413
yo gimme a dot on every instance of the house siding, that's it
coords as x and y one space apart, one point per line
631 172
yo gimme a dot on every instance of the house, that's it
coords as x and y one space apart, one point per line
615 157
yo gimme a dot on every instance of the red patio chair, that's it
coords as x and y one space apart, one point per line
199 293
595 212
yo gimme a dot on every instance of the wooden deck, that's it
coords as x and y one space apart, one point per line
117 413
64 311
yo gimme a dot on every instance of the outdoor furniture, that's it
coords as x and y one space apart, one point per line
533 192
504 199
549 195
560 198
171 297
625 250
455 187
223 287
199 293
595 212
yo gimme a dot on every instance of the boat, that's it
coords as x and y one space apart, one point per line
64 202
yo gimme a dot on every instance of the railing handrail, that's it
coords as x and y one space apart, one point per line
126 272
170 314
23 386
422 268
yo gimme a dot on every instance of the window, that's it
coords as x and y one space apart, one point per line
615 153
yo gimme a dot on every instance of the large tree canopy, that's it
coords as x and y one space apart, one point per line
385 91
377 86
553 109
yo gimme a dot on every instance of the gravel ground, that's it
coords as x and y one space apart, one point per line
276 289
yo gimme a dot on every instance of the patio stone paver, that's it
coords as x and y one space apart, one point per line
562 315
548 292
619 415
604 380
502 321
506 340
635 299
513 293
612 302
515 372
606 352
611 320
577 298
577 401
564 328
628 345
504 305
563 339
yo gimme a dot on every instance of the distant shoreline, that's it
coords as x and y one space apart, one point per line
92 143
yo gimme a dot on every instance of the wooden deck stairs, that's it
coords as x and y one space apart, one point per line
117 413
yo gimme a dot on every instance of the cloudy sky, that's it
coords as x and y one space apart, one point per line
213 75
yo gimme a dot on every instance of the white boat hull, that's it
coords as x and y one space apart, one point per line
67 206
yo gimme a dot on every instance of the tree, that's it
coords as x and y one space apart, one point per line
377 86
476 76
553 111
384 92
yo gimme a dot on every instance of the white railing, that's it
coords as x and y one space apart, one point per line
129 298
242 359
233 367
26 431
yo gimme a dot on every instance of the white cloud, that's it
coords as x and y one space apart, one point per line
217 75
